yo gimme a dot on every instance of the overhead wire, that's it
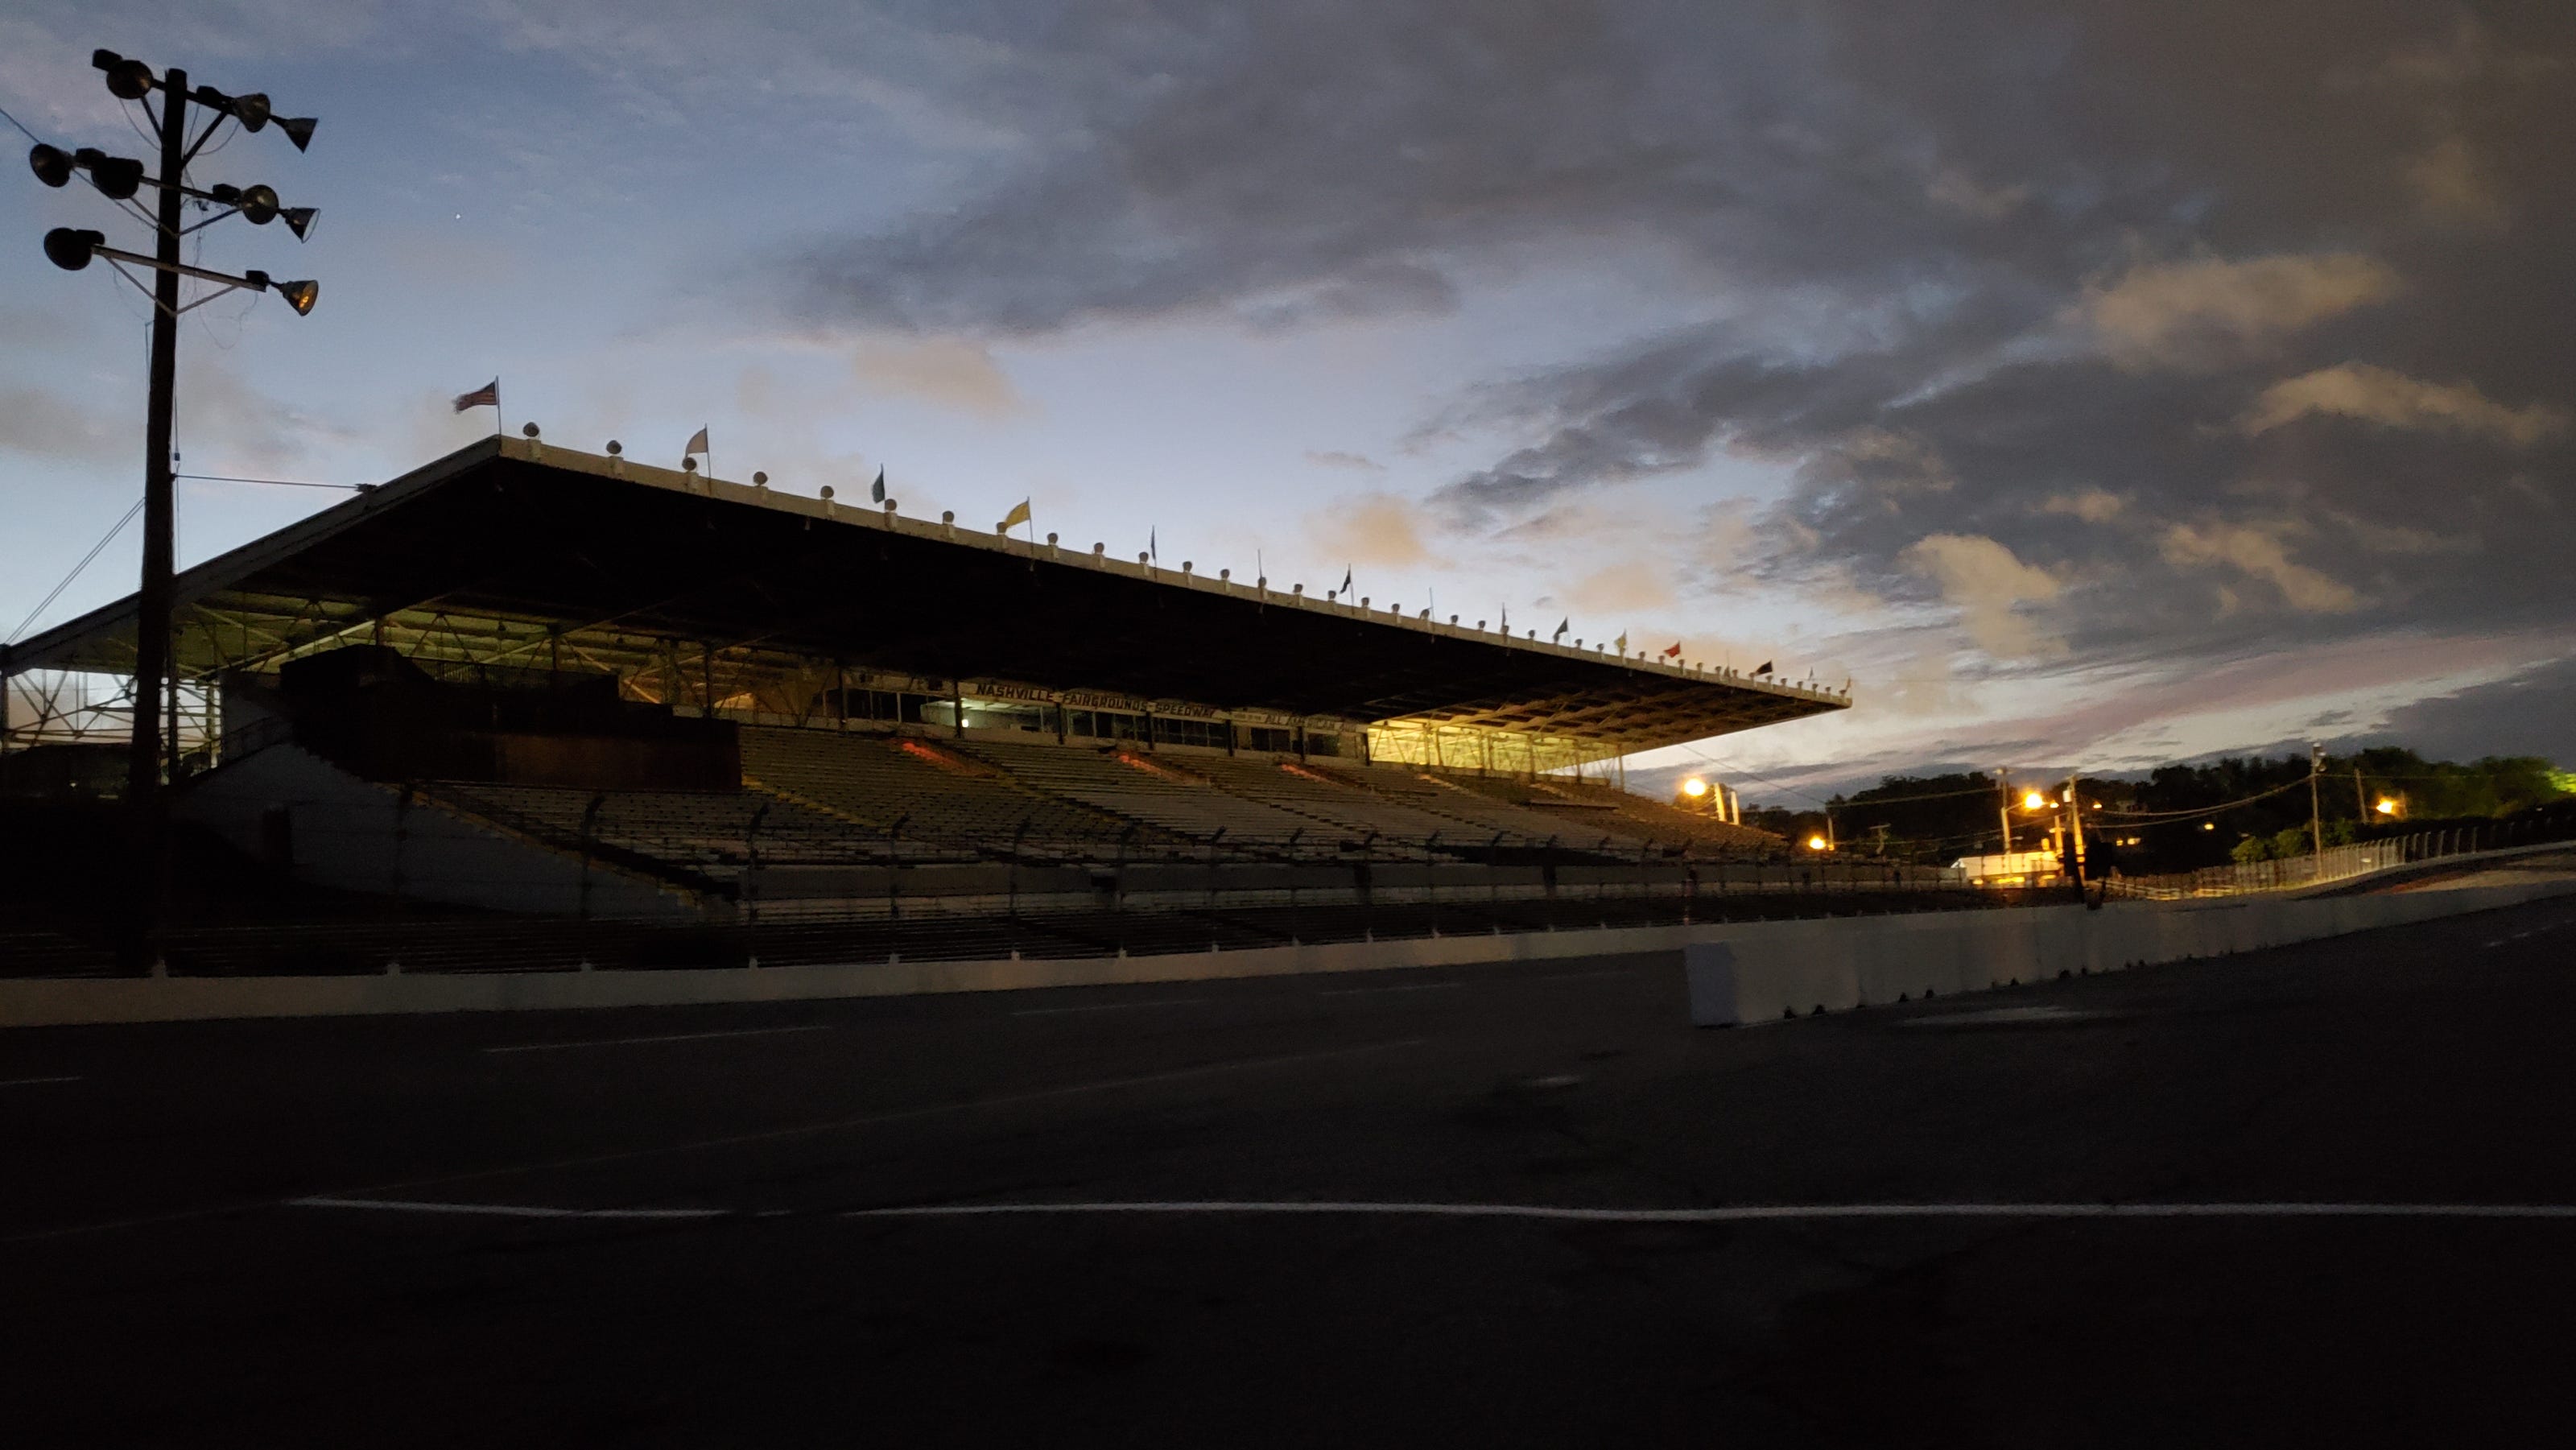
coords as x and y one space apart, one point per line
86 560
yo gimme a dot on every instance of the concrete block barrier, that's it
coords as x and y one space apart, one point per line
1771 970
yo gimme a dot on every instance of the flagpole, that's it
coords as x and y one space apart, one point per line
500 425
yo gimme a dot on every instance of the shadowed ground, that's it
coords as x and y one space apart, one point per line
165 1288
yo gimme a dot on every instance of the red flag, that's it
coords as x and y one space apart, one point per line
486 396
1675 652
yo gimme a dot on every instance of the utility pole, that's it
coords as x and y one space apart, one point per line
2075 831
152 758
2003 808
145 760
2316 811
2360 798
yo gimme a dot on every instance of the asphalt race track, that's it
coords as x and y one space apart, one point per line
2320 1195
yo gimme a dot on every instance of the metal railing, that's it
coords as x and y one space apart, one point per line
2338 863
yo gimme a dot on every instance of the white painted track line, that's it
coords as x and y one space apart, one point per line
737 1140
672 1037
507 1210
1751 1213
34 1081
1745 1213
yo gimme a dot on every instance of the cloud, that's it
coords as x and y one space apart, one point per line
1987 584
2093 505
2532 712
43 424
1633 585
947 372
2451 184
2261 553
1371 530
1336 458
2394 400
2210 309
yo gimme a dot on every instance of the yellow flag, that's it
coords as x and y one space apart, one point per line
1018 515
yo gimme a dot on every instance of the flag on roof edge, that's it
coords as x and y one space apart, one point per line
1018 515
1675 652
876 491
1621 643
697 443
1766 668
1346 580
486 396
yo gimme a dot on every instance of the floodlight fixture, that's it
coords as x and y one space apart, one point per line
71 249
298 129
52 164
258 205
116 177
127 80
299 295
300 219
251 110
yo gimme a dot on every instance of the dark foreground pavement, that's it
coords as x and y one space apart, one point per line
164 1286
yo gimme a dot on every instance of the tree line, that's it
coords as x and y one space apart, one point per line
2257 808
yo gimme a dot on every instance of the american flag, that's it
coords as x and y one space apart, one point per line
486 396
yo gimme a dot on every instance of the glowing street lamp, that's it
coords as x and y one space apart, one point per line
1815 843
2034 801
2386 806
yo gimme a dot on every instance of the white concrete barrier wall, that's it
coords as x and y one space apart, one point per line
1737 972
1766 971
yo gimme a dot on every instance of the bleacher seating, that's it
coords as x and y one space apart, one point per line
710 832
1344 808
1172 795
935 793
836 799
1644 818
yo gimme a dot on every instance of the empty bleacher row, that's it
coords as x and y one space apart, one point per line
711 834
825 798
918 791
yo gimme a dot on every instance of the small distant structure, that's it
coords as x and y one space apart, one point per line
2012 868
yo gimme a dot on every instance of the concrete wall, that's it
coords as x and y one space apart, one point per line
1764 971
1737 972
172 999
355 835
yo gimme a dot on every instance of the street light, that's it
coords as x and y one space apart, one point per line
2034 801
1815 843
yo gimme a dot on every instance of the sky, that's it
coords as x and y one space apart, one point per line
2090 386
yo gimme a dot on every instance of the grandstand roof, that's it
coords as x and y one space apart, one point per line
510 542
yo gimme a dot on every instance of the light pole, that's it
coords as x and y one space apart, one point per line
154 744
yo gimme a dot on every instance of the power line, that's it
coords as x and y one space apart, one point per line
94 551
280 482
22 127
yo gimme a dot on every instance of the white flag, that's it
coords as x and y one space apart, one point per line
697 443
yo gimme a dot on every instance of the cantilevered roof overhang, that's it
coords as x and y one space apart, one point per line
614 556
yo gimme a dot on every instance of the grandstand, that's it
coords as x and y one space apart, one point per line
721 692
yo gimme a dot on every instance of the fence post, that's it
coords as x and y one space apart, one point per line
751 885
1431 882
